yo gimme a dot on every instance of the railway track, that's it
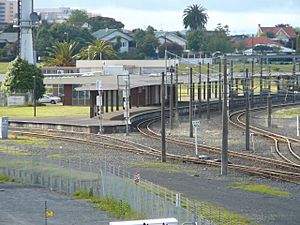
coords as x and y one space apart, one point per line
287 171
289 156
113 143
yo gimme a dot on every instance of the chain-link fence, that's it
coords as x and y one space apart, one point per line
105 180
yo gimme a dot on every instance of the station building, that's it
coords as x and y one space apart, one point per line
77 86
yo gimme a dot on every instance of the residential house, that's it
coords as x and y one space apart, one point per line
282 32
170 37
253 43
115 35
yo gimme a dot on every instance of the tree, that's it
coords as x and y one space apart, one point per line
78 18
146 42
98 50
61 54
20 78
48 34
172 47
196 40
100 22
195 17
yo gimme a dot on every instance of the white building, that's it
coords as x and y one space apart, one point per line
8 11
54 15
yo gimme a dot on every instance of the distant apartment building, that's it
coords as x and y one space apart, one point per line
58 15
54 15
8 11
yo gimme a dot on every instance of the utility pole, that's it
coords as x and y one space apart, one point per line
176 92
230 91
252 83
208 93
220 86
247 132
294 79
163 128
171 97
100 103
127 90
224 159
260 77
269 100
191 103
199 92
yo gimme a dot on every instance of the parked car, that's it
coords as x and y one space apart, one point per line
49 99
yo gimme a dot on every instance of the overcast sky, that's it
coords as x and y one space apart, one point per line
242 16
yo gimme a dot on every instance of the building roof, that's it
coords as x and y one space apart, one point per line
102 33
287 29
8 37
249 42
168 35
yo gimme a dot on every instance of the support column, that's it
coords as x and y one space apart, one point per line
111 100
230 91
224 159
199 93
117 100
106 101
163 128
220 86
208 92
204 90
247 131
260 78
269 111
191 103
216 89
252 83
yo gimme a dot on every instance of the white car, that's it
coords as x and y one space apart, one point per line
49 99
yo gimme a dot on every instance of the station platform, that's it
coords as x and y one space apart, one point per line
113 122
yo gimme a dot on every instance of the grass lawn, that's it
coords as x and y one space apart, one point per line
286 113
263 189
3 67
44 111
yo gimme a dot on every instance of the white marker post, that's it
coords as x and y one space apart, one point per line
196 125
99 103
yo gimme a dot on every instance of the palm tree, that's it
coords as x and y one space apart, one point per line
195 17
97 50
61 54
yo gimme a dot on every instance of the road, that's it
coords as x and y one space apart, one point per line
25 205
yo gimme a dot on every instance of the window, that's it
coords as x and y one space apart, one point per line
124 44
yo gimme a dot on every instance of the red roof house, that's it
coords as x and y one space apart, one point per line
249 42
281 32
